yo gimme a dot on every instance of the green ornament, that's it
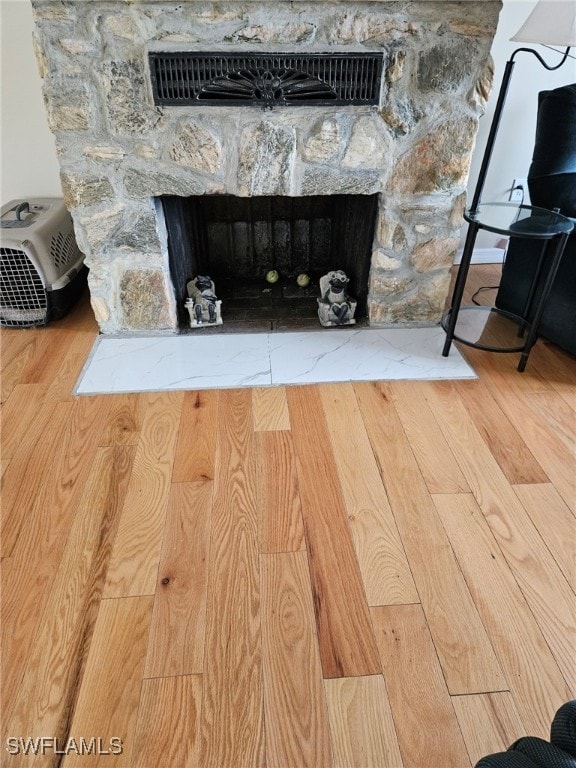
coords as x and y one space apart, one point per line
272 276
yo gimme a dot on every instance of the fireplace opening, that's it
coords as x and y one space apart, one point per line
237 241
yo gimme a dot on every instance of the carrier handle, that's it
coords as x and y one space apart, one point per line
22 207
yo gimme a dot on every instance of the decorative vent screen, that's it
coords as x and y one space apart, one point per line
183 79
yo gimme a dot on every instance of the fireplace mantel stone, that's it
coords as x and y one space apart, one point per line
118 151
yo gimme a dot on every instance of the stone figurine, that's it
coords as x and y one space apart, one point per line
335 306
202 304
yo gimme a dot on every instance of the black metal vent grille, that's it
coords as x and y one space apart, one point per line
289 79
23 299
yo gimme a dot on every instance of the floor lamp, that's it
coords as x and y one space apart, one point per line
552 22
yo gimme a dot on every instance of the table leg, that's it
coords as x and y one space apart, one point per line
541 304
459 286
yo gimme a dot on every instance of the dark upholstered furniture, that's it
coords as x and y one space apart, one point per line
531 752
552 184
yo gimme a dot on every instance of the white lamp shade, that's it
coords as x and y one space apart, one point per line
552 22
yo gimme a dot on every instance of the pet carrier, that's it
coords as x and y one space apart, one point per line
42 272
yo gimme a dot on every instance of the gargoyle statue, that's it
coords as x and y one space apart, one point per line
335 306
202 304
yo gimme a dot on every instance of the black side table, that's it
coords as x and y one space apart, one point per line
490 328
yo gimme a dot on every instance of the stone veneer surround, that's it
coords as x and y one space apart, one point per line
118 151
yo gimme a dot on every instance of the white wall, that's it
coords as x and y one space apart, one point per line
29 166
515 141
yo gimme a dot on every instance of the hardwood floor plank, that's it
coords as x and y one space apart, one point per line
75 445
19 346
19 414
232 720
558 367
134 563
281 526
44 366
62 385
489 722
531 671
383 564
124 422
8 687
347 647
270 408
81 319
513 456
3 467
14 343
555 524
427 729
466 655
548 449
297 732
167 733
361 723
538 574
194 461
435 459
23 344
54 668
32 460
176 642
504 367
560 417
45 528
107 704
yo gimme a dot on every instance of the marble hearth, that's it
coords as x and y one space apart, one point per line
120 150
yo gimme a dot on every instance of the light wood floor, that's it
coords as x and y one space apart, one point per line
378 574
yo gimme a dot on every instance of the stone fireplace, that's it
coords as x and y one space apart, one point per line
122 153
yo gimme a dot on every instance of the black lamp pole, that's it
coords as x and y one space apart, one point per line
498 114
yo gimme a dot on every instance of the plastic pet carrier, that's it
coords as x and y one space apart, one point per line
42 272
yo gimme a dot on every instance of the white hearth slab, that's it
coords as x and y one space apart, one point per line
219 361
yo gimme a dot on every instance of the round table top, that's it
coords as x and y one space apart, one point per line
519 220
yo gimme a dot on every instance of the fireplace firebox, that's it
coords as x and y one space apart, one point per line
238 240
